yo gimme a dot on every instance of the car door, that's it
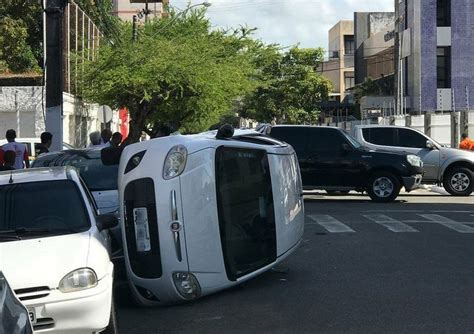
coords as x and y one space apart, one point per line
411 141
326 162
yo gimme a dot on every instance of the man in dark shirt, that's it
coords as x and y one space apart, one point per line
46 139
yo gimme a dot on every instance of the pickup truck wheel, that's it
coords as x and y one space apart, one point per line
459 181
383 187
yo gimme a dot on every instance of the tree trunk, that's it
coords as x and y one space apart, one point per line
137 124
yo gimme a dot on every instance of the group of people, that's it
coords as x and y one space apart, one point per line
15 155
105 138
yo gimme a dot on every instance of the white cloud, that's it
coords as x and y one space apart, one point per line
288 22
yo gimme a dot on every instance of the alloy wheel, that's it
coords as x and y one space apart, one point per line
460 181
383 187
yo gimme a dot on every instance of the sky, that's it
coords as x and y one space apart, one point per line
287 22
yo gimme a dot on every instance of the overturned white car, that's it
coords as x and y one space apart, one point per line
205 212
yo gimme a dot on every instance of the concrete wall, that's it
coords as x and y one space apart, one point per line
125 10
21 109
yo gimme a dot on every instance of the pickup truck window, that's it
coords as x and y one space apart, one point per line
380 136
295 136
410 138
325 139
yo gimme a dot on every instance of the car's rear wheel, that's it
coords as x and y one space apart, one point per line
383 187
458 181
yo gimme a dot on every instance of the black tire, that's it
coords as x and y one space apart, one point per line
458 181
383 187
112 328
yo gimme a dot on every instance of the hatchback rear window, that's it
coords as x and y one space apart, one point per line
42 208
96 175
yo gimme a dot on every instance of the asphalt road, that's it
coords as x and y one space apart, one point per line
363 267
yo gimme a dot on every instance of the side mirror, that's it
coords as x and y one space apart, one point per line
106 222
430 145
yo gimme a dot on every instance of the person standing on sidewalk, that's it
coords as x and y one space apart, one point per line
466 143
21 152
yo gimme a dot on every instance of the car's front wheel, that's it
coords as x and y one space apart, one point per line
383 187
458 181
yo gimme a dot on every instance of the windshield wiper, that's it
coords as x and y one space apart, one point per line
23 231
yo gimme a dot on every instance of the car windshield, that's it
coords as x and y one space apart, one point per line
39 209
96 175
352 140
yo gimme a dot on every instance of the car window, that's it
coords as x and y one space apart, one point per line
96 175
411 138
325 139
46 207
295 136
28 147
380 136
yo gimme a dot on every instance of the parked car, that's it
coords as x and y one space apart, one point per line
202 213
14 317
100 179
55 250
452 168
332 160
32 143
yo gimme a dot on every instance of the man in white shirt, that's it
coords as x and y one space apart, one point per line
21 153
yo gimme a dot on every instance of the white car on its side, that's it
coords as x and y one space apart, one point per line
55 250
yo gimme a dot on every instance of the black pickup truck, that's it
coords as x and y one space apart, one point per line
332 160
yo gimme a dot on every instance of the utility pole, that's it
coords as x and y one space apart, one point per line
54 71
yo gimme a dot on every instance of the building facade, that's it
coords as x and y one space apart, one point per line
374 60
339 65
126 9
436 54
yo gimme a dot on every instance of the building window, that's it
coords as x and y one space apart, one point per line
443 66
349 81
349 44
443 13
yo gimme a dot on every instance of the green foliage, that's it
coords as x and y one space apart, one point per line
290 89
20 35
178 72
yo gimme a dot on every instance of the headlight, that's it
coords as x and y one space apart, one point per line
187 285
414 160
77 280
175 162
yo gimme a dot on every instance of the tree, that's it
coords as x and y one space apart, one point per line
291 89
178 72
21 35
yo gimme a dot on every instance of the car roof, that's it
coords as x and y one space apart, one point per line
90 152
38 175
305 126
208 139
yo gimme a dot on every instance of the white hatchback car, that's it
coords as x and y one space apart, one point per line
54 249
202 213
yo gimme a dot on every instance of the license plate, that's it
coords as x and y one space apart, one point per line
32 315
142 232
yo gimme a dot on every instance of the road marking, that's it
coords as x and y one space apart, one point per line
451 224
390 223
331 224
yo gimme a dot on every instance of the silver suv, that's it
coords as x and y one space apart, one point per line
453 168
